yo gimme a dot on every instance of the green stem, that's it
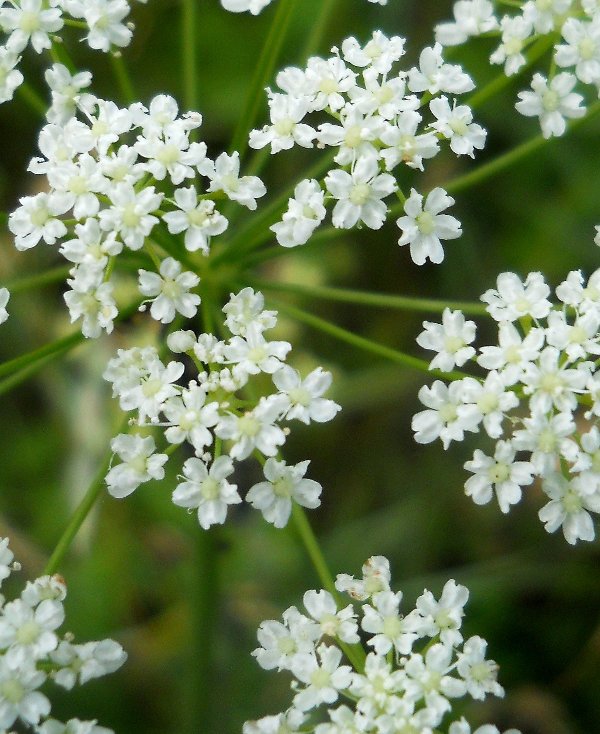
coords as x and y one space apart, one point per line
28 282
189 53
33 99
360 342
497 165
122 77
354 653
78 518
262 75
34 360
378 300
318 28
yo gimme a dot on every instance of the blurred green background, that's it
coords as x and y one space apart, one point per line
138 568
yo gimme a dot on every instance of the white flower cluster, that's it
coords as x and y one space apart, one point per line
540 399
378 118
576 25
255 6
120 175
36 22
216 407
32 652
416 666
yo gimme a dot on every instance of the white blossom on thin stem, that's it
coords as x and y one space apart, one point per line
305 212
139 464
450 340
500 475
285 484
456 124
169 291
359 194
207 490
424 226
569 507
553 102
197 218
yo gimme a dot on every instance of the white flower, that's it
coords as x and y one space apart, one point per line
241 6
198 219
4 298
424 226
471 18
169 291
569 507
500 474
246 308
380 52
286 128
323 608
406 146
304 396
513 351
389 629
207 490
551 102
442 617
491 401
254 429
93 300
582 49
548 438
129 216
224 176
456 124
252 353
550 382
10 78
304 214
190 418
152 389
104 20
354 135
35 220
428 678
18 697
323 675
28 633
447 417
65 92
376 578
285 484
513 299
30 22
86 661
280 643
515 32
434 76
360 194
140 464
449 339
478 673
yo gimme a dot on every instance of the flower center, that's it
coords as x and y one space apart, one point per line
425 223
28 632
360 194
498 473
210 488
284 127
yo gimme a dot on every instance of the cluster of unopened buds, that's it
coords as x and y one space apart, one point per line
117 186
539 401
33 652
377 117
417 664
219 410
570 27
